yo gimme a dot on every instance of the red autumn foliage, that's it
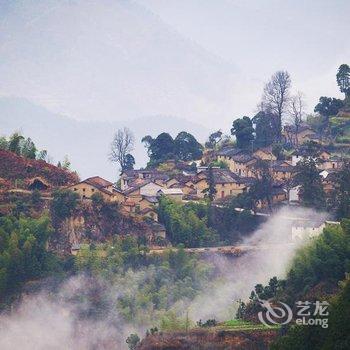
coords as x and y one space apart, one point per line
14 167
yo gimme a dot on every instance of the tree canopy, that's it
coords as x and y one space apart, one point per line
243 130
343 79
184 147
328 106
264 129
311 190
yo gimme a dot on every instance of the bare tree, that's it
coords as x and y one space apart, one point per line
276 97
296 112
121 146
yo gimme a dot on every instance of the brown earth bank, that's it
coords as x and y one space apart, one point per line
14 168
209 340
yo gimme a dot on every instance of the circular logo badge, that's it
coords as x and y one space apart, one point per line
275 315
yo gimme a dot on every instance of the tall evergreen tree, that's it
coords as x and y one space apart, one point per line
343 80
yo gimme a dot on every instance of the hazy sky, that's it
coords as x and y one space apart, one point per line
204 60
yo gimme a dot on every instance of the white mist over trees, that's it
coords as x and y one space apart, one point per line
48 319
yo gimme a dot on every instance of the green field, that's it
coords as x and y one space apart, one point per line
240 325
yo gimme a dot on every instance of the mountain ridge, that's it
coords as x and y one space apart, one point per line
85 142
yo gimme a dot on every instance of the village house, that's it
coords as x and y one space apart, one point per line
329 180
265 153
183 182
86 188
331 163
308 229
278 195
322 156
128 177
282 170
174 193
304 134
238 161
226 183
129 207
140 188
147 202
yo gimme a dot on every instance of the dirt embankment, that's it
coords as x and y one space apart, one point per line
209 339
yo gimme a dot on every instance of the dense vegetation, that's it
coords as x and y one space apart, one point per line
23 254
149 286
184 147
201 224
314 275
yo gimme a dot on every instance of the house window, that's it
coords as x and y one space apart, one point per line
83 189
333 165
75 189
92 190
222 194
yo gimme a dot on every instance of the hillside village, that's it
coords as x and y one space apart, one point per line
260 167
170 231
174 175
140 188
231 171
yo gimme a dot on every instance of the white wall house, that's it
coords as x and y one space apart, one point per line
307 230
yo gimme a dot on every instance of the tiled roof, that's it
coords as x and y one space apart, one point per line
229 152
148 174
98 182
222 176
243 158
171 191
151 199
136 185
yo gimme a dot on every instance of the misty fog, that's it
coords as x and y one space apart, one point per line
58 319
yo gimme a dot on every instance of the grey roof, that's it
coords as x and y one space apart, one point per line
148 174
132 187
151 199
222 176
229 152
243 158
